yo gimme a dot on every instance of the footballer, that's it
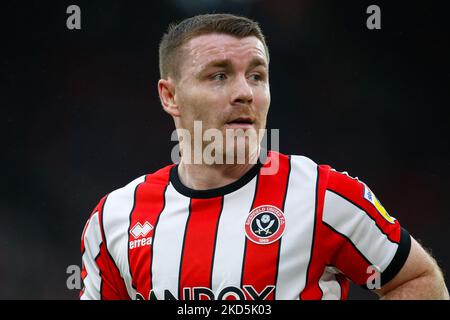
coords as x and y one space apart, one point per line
269 227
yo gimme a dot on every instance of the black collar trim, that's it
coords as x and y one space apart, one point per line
211 193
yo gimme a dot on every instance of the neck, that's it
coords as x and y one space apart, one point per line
205 176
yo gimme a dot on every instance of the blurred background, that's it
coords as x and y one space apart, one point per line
81 115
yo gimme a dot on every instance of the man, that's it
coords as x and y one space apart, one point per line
236 229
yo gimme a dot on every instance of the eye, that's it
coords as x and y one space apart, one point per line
256 77
219 76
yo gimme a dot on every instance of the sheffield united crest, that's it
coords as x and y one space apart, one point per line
265 224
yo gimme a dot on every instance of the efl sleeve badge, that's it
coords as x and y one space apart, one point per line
369 196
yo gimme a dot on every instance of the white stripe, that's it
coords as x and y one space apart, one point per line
330 286
230 243
92 241
168 243
362 231
116 221
299 210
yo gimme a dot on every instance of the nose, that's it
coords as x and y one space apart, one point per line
242 92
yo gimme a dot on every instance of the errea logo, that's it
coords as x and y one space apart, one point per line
139 232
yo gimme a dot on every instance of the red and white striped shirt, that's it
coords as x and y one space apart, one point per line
301 233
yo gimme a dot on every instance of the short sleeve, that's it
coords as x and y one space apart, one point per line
363 239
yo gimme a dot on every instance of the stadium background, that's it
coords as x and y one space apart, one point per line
81 115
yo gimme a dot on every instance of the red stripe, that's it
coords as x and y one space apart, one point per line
149 203
97 208
83 272
198 249
318 259
112 284
347 258
260 265
353 190
81 292
101 260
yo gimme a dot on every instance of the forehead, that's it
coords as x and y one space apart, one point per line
209 47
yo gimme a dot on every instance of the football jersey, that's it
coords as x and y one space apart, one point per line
302 231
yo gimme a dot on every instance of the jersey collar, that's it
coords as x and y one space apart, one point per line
211 193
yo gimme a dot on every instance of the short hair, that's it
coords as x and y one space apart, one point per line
180 33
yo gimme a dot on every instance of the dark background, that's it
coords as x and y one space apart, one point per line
81 115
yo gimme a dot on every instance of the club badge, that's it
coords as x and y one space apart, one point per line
265 224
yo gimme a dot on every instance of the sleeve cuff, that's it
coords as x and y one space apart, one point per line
399 259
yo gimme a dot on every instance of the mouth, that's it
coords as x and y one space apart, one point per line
241 122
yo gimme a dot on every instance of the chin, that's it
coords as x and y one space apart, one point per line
240 153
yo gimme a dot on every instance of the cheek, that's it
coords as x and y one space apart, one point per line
263 100
188 102
198 104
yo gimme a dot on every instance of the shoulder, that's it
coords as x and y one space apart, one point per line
339 193
302 162
349 198
299 164
327 179
354 191
119 203
304 168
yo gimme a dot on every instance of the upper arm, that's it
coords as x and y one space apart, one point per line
101 277
370 247
361 237
418 263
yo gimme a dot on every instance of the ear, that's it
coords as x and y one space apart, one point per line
166 90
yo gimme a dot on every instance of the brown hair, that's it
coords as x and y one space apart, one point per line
179 34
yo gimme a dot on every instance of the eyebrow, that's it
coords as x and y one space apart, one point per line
225 63
258 62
